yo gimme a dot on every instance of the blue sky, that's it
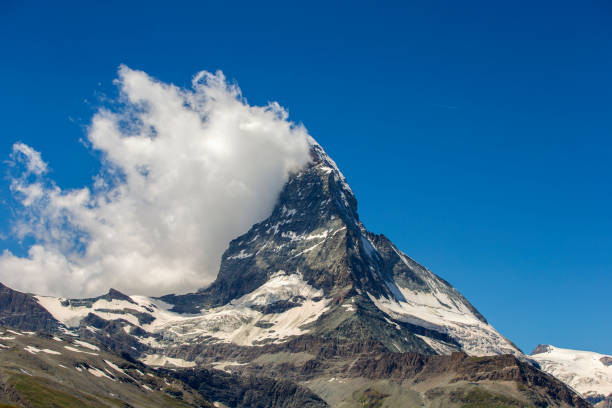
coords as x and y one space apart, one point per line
477 136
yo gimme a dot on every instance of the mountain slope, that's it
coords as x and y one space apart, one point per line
44 370
588 373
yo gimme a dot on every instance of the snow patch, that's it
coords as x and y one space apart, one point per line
87 345
349 307
240 255
36 350
99 373
288 212
222 365
32 350
159 360
115 367
80 351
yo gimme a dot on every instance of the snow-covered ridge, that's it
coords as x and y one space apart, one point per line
430 310
241 321
585 371
440 308
71 316
280 287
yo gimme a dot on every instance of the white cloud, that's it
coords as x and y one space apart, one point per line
184 172
34 162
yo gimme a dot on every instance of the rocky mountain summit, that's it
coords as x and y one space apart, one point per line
312 261
311 297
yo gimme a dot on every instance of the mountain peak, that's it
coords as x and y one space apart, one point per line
114 294
372 291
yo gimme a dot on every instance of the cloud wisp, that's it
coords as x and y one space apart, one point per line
184 171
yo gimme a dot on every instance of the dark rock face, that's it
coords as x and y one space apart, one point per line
607 361
247 392
111 334
603 402
112 294
22 311
541 348
600 400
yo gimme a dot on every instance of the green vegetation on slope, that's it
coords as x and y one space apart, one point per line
478 398
41 394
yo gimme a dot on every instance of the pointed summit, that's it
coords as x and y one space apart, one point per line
114 294
365 287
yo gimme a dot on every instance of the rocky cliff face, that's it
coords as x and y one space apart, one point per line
23 310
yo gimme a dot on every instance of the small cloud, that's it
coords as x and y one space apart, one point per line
32 159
